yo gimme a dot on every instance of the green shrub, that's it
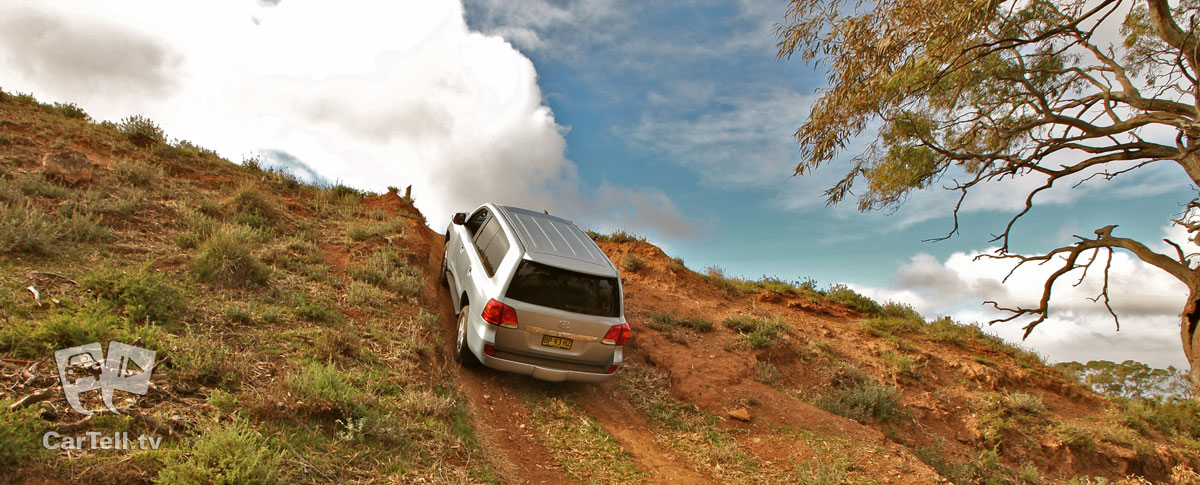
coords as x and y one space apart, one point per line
365 295
327 392
697 323
676 264
842 294
387 269
71 110
26 229
225 260
138 174
1073 435
632 263
82 227
60 330
21 437
222 401
758 332
197 227
205 362
619 236
889 326
141 131
239 314
316 310
766 372
1169 417
256 208
861 399
141 296
37 186
901 364
227 453
363 232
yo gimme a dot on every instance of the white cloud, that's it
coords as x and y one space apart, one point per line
1147 299
369 93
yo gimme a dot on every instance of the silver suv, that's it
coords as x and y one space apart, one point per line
534 295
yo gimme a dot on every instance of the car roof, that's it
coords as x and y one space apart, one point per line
557 242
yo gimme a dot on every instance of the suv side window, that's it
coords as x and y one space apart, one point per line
495 250
476 220
484 240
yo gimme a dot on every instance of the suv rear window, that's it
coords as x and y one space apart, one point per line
560 289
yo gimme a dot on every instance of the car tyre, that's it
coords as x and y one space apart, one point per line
462 351
442 277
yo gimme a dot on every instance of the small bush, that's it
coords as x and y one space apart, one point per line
222 401
1031 404
340 344
1073 435
889 326
239 314
225 260
26 229
327 392
632 263
20 437
256 208
676 264
316 310
141 131
758 332
197 227
364 295
619 236
36 186
862 399
842 294
901 364
766 372
59 331
71 110
138 174
363 232
697 323
81 227
387 269
143 297
204 362
227 453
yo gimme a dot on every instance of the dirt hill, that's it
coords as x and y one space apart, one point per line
301 336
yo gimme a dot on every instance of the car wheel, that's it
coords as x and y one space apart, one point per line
461 350
442 278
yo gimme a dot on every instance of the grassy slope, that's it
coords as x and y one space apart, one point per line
301 337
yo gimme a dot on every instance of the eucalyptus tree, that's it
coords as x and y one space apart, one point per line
963 93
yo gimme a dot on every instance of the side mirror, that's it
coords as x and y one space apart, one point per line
460 218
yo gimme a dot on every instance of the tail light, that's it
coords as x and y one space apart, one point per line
617 335
497 313
489 350
612 368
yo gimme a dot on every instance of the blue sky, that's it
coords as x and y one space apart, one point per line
671 120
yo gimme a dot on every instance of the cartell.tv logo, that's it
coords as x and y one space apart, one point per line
126 368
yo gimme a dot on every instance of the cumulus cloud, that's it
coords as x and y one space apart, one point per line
370 94
1147 300
76 57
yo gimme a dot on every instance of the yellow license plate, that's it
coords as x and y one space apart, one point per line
556 342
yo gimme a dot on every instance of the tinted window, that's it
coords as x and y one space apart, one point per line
565 290
476 220
494 252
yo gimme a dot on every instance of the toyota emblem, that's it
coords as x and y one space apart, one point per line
563 324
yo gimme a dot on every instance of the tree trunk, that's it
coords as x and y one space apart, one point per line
1190 333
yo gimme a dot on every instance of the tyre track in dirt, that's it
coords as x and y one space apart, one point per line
626 424
499 417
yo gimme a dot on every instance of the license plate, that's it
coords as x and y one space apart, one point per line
556 342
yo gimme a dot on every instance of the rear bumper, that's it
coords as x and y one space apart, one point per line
542 372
